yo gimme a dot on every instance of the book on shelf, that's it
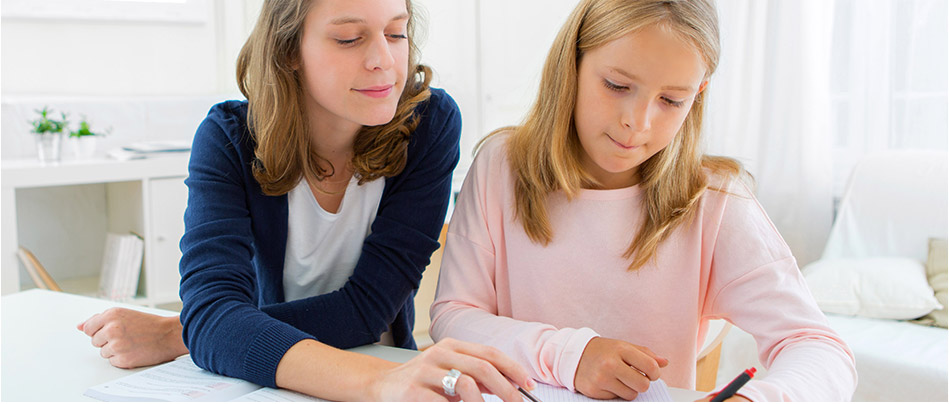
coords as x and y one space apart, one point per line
140 150
121 266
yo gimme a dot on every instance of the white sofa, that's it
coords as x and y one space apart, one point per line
895 202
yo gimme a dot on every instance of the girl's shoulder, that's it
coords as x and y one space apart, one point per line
492 149
728 190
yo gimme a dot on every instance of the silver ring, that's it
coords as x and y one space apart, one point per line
449 381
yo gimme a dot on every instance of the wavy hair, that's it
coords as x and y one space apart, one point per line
276 105
545 151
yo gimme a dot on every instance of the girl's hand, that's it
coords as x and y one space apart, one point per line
130 338
483 370
736 397
611 368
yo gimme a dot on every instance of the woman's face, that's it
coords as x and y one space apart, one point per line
633 94
354 59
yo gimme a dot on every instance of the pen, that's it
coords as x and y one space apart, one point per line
528 395
736 384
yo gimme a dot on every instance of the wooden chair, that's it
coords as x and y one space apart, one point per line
706 366
39 275
426 295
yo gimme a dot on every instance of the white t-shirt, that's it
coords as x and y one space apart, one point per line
323 247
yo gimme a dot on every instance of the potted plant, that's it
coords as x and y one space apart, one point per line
49 135
84 139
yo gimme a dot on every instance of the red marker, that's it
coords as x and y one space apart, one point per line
736 384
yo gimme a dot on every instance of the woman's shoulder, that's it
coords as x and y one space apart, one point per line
230 116
224 129
439 109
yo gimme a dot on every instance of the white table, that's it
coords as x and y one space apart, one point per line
44 357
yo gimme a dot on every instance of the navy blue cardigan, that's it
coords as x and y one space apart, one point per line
235 320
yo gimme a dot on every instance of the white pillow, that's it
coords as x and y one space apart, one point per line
879 287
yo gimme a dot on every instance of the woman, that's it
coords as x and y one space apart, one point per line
313 209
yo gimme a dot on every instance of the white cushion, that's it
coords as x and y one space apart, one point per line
879 287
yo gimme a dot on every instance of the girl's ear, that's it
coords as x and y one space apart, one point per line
702 86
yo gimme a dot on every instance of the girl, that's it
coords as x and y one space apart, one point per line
602 199
313 208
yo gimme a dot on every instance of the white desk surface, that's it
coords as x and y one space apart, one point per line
44 357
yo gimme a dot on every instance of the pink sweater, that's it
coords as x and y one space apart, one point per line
541 305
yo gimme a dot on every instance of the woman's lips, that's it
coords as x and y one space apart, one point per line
376 91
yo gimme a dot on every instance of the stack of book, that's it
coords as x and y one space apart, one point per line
121 266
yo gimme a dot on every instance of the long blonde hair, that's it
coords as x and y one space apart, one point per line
544 151
276 117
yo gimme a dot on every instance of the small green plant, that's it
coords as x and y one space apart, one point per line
44 124
84 130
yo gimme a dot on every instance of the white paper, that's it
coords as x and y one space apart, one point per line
657 392
178 380
268 394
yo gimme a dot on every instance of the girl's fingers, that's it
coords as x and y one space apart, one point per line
659 360
632 379
622 390
642 361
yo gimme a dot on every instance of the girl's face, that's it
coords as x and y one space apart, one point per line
354 58
632 96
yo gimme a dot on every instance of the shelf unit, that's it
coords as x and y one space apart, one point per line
147 196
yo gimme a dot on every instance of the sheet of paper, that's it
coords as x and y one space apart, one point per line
268 394
657 392
178 380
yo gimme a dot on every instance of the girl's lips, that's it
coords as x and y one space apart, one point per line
376 91
620 144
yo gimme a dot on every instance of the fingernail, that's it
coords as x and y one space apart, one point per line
532 384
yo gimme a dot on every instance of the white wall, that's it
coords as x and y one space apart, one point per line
149 77
488 55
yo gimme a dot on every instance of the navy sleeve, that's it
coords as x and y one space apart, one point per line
223 327
404 236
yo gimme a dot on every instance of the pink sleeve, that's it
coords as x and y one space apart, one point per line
756 284
466 301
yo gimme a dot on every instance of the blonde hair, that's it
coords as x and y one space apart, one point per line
276 113
544 151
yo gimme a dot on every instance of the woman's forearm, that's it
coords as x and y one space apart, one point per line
320 370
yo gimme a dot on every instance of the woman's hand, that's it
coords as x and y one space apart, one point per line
130 338
483 370
611 368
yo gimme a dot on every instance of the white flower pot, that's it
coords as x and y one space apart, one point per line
49 146
83 147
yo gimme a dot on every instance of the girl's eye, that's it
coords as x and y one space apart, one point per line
345 42
398 36
613 86
672 102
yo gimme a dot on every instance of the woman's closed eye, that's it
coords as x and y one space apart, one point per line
347 42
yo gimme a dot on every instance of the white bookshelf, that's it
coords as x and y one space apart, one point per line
147 196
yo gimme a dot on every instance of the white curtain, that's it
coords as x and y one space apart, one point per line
769 106
888 78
